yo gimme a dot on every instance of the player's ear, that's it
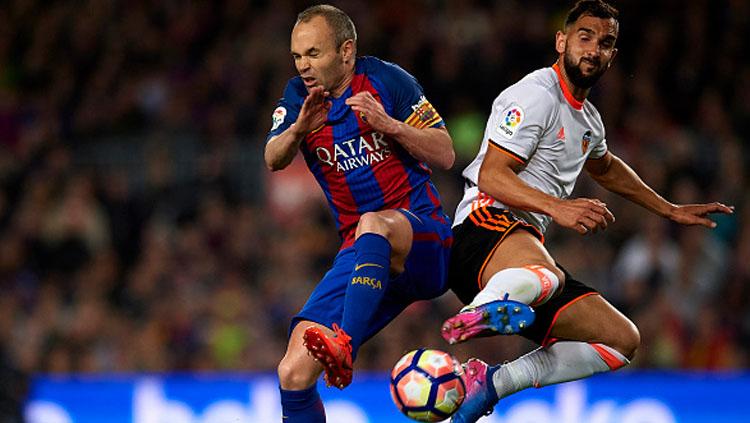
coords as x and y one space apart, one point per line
348 50
560 42
614 54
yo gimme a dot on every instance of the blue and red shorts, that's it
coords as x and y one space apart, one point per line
424 277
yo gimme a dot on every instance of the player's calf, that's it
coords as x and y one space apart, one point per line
296 370
624 338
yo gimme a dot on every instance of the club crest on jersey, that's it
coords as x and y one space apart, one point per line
278 117
351 154
423 115
510 120
585 141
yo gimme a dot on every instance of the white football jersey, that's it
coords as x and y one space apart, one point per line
539 123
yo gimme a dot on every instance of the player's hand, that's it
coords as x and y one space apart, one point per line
314 112
695 214
371 111
583 215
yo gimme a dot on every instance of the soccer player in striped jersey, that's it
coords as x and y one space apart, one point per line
368 134
541 134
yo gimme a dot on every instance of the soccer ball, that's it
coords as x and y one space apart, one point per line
426 385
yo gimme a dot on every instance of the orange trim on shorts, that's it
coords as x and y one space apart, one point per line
489 222
503 224
495 225
545 342
499 219
473 219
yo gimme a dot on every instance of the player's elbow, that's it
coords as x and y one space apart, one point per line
447 160
273 162
447 156
273 166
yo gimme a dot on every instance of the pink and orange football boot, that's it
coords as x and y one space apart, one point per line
501 317
481 396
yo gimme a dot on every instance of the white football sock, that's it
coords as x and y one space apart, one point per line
532 285
561 362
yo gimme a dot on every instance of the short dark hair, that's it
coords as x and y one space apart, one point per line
340 22
595 8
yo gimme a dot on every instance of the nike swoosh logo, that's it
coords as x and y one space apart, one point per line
359 266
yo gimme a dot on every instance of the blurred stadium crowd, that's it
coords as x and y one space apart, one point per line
140 231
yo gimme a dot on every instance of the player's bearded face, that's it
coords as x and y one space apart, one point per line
584 71
589 49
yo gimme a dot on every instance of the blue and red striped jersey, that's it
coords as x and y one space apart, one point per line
361 170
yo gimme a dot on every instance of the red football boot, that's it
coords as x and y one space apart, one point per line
334 353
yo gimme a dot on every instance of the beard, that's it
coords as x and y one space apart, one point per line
577 77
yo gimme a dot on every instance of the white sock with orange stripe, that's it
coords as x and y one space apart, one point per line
533 285
560 362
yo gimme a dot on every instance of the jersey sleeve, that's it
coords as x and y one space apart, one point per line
286 111
410 105
520 117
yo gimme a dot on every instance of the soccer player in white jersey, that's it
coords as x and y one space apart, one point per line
541 134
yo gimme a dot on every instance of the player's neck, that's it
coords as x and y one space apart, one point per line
578 93
341 87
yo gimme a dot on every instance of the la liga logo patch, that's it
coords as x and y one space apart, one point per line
510 120
513 117
278 117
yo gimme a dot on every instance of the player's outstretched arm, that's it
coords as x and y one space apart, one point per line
498 178
696 214
433 146
615 175
280 150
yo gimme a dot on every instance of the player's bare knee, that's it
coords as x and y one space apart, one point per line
373 223
628 340
294 377
631 341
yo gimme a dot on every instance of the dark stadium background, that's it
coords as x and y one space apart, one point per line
141 232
